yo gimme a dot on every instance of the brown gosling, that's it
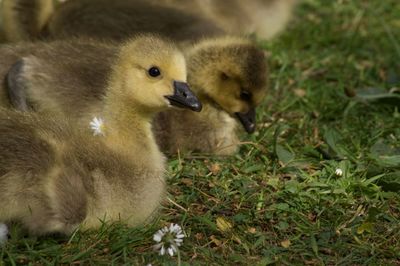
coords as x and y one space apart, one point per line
229 75
177 18
55 175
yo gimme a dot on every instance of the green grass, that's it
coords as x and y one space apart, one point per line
279 197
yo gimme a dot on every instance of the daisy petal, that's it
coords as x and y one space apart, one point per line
171 252
172 228
180 236
157 237
157 246
162 251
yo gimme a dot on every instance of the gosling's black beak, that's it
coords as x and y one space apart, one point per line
248 120
183 97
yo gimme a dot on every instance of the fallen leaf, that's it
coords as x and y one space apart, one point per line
187 181
286 243
291 82
199 236
236 239
215 168
365 227
312 262
299 92
252 230
223 224
311 217
216 241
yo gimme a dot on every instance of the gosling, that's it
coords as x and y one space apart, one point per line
55 175
30 19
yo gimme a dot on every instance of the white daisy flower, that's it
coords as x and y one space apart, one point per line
97 125
339 172
3 233
168 239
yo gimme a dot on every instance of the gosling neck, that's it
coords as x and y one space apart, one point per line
127 125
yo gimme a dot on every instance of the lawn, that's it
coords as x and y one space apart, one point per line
319 182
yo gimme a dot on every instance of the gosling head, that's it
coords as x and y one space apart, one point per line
150 73
231 73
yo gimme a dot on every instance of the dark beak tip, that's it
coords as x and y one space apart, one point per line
197 107
248 120
251 128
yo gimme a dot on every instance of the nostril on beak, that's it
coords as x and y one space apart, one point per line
184 97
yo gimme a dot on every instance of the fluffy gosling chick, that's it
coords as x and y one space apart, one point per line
229 75
55 175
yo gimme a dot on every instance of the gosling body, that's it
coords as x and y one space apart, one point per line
63 77
54 177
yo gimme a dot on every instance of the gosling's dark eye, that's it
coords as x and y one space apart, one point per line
245 95
154 72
